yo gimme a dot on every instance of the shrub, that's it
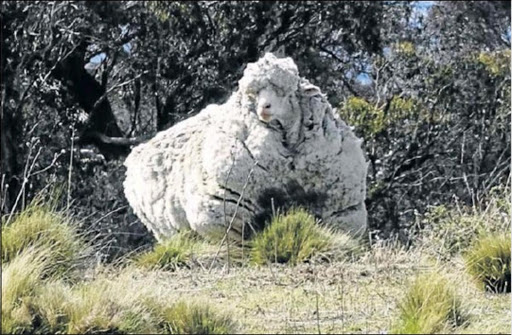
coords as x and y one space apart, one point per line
488 261
290 238
184 318
40 225
429 306
173 253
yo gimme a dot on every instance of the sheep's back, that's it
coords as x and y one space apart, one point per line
156 172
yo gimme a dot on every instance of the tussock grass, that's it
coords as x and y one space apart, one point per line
111 303
296 237
488 261
21 279
41 226
174 253
429 306
292 238
103 305
193 318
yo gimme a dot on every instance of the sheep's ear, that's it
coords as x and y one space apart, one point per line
310 90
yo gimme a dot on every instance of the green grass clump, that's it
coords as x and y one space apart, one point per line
173 253
121 305
429 306
488 261
40 225
290 238
193 318
102 306
21 279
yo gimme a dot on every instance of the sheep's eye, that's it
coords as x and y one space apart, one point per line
267 106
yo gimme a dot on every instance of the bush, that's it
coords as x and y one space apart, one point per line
293 238
488 261
429 306
41 226
173 253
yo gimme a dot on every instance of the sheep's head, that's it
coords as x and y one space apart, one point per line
271 106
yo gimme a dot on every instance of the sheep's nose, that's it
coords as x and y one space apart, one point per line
267 106
264 113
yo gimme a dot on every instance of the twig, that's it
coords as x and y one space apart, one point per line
26 175
317 314
224 203
70 170
54 160
234 216
104 96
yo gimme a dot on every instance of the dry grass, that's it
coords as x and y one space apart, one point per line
339 297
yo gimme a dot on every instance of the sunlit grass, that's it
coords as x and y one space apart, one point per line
173 253
21 279
429 306
296 237
40 225
488 261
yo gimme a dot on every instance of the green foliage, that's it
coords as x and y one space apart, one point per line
370 119
402 108
194 318
367 118
488 261
173 253
292 238
40 225
429 306
406 48
497 63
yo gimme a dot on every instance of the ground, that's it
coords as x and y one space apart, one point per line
357 296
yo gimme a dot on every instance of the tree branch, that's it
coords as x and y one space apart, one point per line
119 141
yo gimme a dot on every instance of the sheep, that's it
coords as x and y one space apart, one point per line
275 139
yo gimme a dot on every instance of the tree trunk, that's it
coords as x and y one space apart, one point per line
87 91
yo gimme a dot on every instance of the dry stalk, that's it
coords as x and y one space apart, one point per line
224 238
